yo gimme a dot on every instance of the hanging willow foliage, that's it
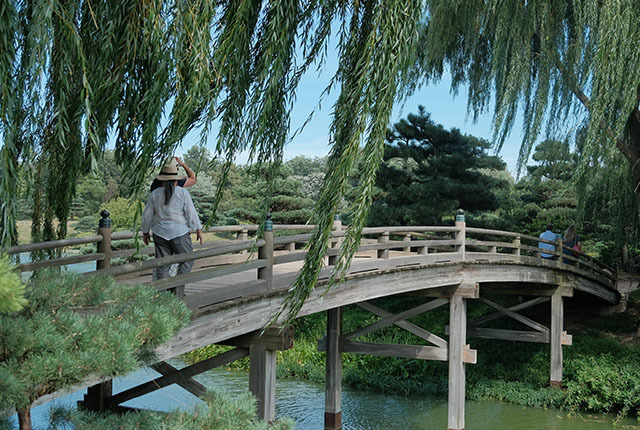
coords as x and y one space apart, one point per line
78 74
550 58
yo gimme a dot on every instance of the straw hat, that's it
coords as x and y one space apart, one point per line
169 171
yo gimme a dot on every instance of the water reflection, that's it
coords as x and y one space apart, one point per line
304 403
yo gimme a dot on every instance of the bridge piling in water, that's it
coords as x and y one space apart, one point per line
457 341
557 318
333 389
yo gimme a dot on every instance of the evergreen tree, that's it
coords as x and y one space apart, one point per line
75 327
11 288
548 192
429 172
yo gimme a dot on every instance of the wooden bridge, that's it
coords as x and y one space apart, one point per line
234 292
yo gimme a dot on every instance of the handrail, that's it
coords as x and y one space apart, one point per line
417 246
41 246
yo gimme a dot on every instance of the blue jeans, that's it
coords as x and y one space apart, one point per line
177 245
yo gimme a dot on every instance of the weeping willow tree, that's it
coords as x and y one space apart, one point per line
570 67
565 65
76 75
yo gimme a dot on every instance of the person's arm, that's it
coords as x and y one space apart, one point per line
191 215
147 219
191 176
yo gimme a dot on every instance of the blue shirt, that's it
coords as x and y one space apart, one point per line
547 235
172 220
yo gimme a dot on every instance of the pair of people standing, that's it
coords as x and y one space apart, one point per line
570 239
171 215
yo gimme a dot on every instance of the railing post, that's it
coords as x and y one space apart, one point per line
559 247
407 238
97 395
383 238
242 236
104 246
337 227
265 252
461 225
516 244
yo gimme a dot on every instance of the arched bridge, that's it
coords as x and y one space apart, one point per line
233 292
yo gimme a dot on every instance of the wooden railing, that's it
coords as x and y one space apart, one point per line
381 249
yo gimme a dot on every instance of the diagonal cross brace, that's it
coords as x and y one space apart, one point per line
516 316
172 378
399 320
518 307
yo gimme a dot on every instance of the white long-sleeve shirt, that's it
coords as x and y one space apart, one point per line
171 220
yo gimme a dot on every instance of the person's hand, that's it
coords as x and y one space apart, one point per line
199 236
180 162
145 238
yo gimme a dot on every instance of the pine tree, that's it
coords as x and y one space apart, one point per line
76 327
429 172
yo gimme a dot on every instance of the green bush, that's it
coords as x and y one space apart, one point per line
87 223
122 213
221 412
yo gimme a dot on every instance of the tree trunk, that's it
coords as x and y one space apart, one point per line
24 419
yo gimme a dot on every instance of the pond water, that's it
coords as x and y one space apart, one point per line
304 403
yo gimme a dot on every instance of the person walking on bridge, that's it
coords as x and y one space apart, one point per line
170 214
549 235
573 241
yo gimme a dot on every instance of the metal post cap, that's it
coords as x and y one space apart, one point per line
460 216
268 224
105 222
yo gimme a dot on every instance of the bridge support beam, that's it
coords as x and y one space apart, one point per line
333 389
557 318
457 340
262 380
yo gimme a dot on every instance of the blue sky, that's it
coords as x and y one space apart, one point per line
444 108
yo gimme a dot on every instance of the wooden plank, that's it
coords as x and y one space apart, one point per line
421 352
223 293
178 258
57 262
201 275
275 338
290 257
187 372
333 371
40 246
398 244
390 320
513 335
406 325
189 384
468 290
285 240
489 232
524 320
457 341
408 229
516 308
